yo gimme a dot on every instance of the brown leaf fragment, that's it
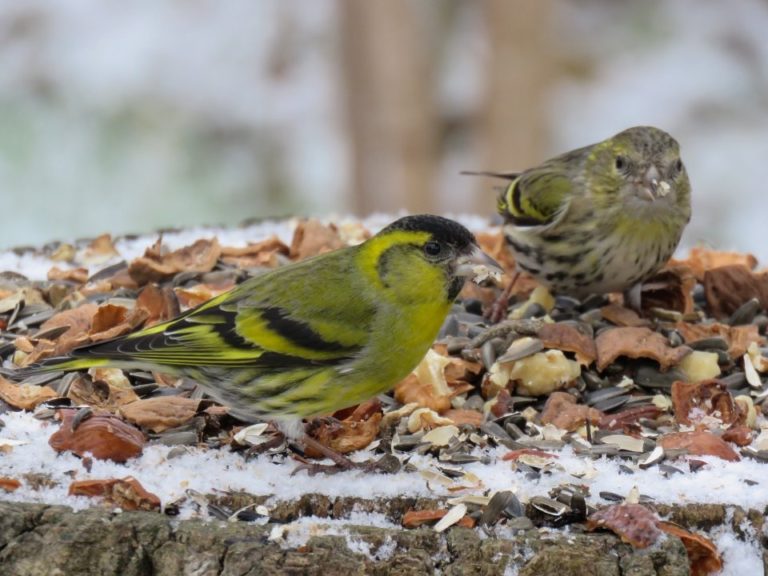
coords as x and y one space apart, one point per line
416 518
23 396
78 319
707 398
569 339
125 493
670 289
637 342
622 316
104 436
76 275
699 443
702 259
9 484
516 454
101 249
156 266
111 321
627 419
258 255
461 417
353 433
312 237
738 337
160 304
161 412
562 411
739 434
108 389
703 557
633 523
196 295
728 287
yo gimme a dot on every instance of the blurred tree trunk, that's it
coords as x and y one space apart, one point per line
514 132
390 108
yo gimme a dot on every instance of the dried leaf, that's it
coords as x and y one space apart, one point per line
76 275
706 398
312 237
108 389
427 384
703 557
637 342
627 419
670 289
9 484
104 436
569 339
516 454
699 443
738 337
196 295
24 396
562 411
461 417
622 316
728 287
160 413
416 518
125 493
353 433
702 259
633 523
155 266
79 321
258 255
738 434
160 304
100 250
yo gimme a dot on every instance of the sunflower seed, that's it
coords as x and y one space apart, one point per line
745 313
452 517
656 455
709 344
521 348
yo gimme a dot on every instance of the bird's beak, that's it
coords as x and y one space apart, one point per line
478 265
652 186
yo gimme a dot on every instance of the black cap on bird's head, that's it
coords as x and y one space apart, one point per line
441 229
450 245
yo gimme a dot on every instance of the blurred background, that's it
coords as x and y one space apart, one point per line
129 116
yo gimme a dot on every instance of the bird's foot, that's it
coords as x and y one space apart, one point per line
498 310
340 462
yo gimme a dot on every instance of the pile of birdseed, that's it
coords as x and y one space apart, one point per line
547 419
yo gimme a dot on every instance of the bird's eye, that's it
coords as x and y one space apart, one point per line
432 248
678 166
621 163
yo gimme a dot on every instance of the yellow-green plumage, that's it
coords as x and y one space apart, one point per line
315 336
600 218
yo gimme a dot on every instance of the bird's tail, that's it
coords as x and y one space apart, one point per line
55 364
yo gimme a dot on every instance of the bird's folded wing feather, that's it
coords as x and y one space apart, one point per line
536 197
289 317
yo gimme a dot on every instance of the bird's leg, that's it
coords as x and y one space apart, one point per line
498 309
633 297
277 439
340 462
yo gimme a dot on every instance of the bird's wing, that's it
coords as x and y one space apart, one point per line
294 316
537 196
